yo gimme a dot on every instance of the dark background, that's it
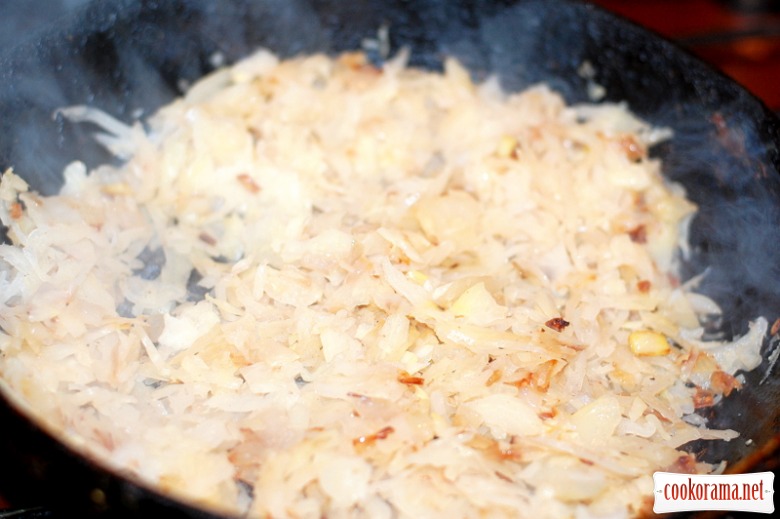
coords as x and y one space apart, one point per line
739 37
20 19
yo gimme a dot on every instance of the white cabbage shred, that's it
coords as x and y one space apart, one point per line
318 288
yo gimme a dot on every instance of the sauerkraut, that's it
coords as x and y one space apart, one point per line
322 288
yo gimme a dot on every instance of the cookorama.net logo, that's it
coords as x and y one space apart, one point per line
733 492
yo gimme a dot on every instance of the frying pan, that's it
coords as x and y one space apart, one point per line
130 57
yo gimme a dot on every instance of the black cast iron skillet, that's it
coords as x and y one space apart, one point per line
129 57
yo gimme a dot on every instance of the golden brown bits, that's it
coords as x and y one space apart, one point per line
775 327
633 150
353 60
547 415
685 464
493 449
638 234
16 210
358 62
409 380
207 238
557 324
703 398
724 383
659 416
494 377
238 359
248 183
539 379
645 507
543 376
366 441
643 286
521 382
511 454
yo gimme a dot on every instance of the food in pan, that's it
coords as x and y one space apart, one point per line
320 287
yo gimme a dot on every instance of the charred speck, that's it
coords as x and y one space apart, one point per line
366 441
638 234
557 323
